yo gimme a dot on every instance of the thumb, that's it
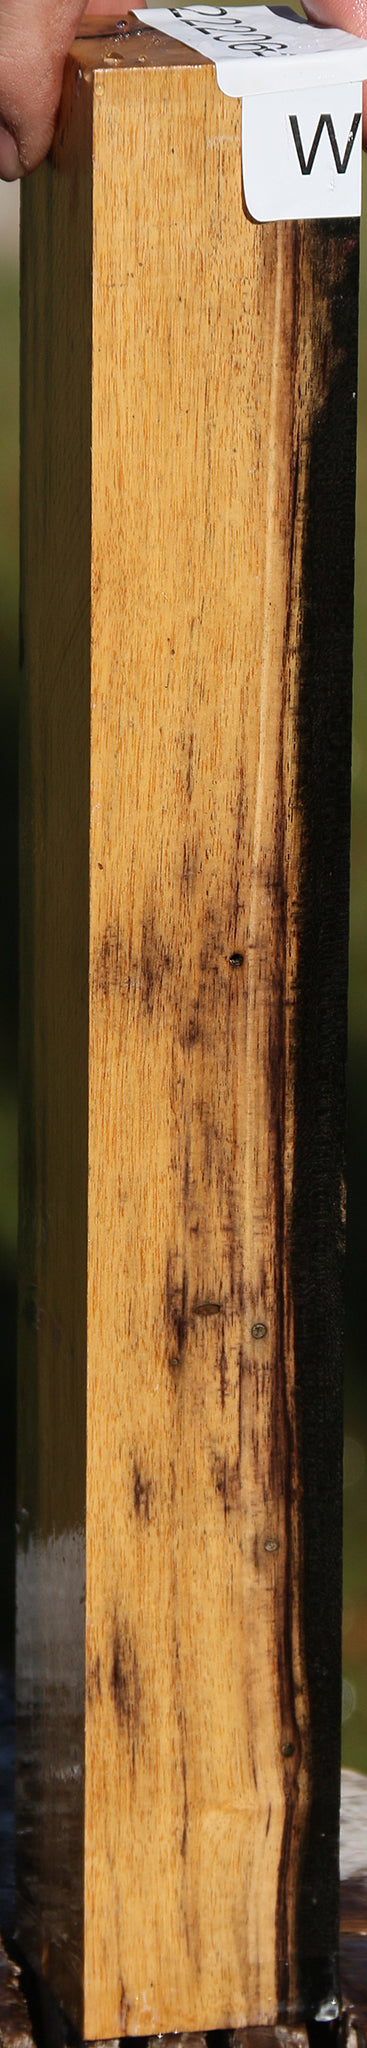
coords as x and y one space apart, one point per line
35 36
348 14
34 39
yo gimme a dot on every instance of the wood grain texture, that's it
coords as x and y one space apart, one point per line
199 777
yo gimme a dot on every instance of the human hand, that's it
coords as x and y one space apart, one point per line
348 14
35 36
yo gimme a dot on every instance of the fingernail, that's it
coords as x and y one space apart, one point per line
10 165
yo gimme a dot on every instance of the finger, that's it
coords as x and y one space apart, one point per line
110 8
10 166
34 40
348 14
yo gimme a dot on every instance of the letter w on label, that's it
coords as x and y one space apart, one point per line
325 121
299 161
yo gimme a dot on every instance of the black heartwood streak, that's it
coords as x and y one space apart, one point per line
317 1256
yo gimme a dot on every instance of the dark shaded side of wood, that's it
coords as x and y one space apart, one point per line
54 826
318 1226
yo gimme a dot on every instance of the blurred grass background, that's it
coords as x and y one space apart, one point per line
355 1543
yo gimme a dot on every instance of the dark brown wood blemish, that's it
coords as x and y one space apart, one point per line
142 1495
207 1308
125 1684
189 870
226 1476
186 1180
142 978
213 956
282 1934
150 978
223 1373
94 1687
177 1315
107 974
240 826
183 1844
227 1482
124 2009
190 1032
155 965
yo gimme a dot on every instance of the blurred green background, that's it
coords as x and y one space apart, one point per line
355 1546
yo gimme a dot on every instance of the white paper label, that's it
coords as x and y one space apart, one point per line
301 154
301 89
